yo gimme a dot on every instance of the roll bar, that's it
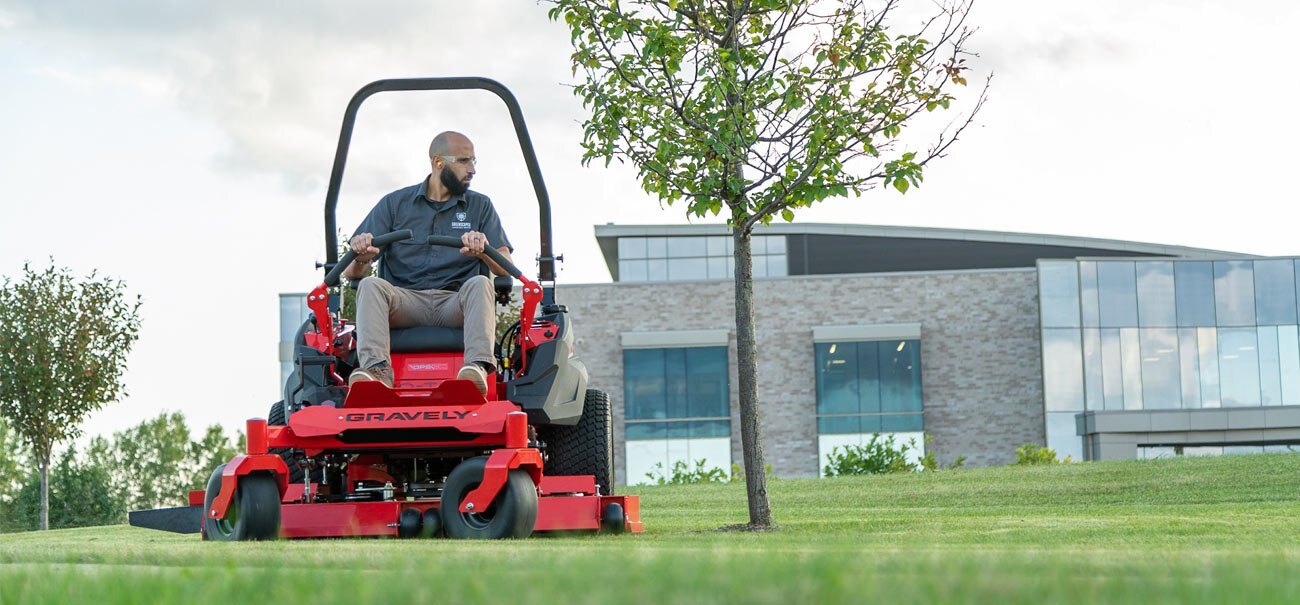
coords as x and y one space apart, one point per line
546 270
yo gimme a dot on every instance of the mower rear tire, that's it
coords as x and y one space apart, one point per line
586 448
278 416
511 515
253 514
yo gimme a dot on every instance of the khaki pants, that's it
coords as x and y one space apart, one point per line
382 306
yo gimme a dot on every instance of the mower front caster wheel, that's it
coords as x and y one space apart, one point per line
253 514
511 515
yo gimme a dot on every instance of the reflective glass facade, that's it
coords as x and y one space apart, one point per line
1166 334
696 257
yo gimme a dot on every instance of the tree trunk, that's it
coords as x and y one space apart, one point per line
45 493
751 438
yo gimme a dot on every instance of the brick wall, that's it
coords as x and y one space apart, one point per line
980 354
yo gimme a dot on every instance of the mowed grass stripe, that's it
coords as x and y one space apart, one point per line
1188 530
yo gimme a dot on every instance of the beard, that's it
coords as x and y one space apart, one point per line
453 185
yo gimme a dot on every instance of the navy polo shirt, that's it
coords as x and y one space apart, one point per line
415 265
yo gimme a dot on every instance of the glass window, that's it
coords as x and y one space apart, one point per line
709 428
1093 391
1189 372
631 270
838 378
686 246
1288 348
898 423
1239 367
1207 359
717 245
832 425
646 430
1234 293
676 401
868 387
1270 377
1275 292
718 268
675 383
759 266
1155 285
1237 450
656 247
1058 288
656 269
867 382
1194 287
643 383
687 268
1063 435
1117 293
900 375
1161 389
1088 294
777 266
1062 370
631 247
776 244
1112 369
707 382
758 245
1132 360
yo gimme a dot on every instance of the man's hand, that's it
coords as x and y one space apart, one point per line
474 242
361 244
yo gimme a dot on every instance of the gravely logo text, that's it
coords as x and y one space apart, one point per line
389 417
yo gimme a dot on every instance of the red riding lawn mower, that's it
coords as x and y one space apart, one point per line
431 456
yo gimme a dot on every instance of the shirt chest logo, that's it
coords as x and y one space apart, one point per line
460 222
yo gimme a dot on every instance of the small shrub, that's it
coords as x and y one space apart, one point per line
682 473
1032 453
878 456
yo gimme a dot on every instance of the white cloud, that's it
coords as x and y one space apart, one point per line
275 78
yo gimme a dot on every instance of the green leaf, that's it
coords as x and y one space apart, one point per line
900 184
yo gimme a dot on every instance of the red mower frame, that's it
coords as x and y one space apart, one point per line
430 456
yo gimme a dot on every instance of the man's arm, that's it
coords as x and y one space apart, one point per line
474 242
366 253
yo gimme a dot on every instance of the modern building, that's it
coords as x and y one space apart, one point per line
970 343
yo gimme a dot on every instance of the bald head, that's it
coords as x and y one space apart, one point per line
446 142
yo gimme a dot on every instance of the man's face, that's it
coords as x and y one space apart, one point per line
456 168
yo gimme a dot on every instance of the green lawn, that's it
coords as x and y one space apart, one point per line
1215 530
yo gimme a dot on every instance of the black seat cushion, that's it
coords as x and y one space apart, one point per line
427 339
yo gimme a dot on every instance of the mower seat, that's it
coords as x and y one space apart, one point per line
427 339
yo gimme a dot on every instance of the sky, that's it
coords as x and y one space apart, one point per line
185 147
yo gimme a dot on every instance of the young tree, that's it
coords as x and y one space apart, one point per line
80 494
756 108
65 347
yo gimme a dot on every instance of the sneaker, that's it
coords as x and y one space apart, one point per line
475 374
382 374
